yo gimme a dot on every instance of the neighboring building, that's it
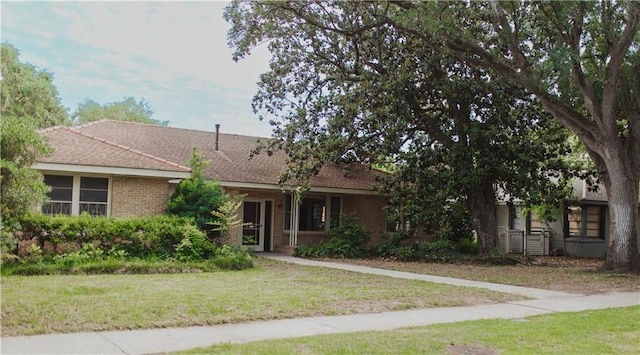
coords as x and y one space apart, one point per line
581 229
124 169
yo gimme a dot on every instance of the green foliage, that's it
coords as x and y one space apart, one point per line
467 246
104 245
227 220
21 186
89 253
348 240
230 257
197 197
28 93
440 250
126 110
28 101
155 236
194 245
356 88
119 266
454 223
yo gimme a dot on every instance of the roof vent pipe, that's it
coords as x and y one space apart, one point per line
217 136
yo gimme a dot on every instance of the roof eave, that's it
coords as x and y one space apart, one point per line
262 186
107 170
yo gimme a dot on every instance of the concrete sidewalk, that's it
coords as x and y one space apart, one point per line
175 339
516 290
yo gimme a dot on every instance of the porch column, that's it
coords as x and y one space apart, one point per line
294 220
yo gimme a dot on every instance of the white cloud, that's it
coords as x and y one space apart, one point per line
174 54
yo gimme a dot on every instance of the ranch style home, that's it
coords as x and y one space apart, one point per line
124 169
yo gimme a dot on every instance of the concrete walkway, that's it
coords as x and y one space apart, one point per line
175 339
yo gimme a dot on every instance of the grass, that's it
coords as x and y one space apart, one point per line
609 331
273 290
573 275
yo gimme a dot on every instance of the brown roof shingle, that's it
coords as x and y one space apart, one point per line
230 163
74 147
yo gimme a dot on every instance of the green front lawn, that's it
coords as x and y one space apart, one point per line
610 331
271 290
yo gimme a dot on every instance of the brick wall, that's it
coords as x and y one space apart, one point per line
369 211
139 197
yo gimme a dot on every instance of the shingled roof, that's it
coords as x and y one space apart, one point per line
135 145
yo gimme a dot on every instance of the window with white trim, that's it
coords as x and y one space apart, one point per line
314 213
72 195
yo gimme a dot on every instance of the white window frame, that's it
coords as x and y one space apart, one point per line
75 192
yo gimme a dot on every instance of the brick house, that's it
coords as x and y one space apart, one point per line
124 169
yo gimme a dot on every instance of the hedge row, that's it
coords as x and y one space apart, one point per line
157 236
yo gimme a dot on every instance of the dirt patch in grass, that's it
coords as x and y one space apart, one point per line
575 275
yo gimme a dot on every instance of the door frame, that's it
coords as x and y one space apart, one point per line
262 231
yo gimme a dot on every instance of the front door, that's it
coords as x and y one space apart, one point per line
253 226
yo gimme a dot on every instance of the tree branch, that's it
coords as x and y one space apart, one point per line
579 78
617 55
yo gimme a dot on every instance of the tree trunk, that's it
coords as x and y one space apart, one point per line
621 186
482 207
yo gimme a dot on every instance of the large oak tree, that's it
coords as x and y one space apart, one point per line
347 86
581 60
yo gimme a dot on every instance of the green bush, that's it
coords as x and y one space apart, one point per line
229 257
454 223
388 248
439 250
194 245
196 197
348 240
156 236
467 246
108 245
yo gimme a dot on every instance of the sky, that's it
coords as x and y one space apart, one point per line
172 54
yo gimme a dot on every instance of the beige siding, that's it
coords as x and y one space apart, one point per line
139 197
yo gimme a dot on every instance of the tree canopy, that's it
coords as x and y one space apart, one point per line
577 59
581 60
126 110
29 101
346 89
29 93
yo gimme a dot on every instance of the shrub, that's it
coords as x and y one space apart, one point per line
156 236
109 245
194 245
197 197
467 246
229 257
454 223
348 240
439 250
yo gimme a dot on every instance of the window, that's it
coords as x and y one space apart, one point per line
94 193
314 213
72 195
586 221
60 195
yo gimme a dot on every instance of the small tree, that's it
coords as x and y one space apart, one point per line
196 196
21 186
227 220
